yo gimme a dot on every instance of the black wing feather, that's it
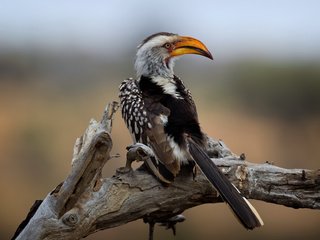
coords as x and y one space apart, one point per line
241 207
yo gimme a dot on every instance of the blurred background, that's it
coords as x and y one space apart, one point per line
61 62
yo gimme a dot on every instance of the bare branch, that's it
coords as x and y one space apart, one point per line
84 203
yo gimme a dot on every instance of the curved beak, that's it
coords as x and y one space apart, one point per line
189 45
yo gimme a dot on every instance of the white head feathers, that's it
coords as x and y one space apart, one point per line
152 55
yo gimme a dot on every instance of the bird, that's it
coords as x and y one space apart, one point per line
161 115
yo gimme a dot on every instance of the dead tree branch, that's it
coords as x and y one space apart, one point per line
85 203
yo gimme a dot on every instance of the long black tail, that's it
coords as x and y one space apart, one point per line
241 207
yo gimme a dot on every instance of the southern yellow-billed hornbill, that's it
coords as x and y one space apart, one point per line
160 113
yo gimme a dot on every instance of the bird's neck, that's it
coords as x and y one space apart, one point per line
149 67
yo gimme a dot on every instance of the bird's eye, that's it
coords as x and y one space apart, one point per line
167 45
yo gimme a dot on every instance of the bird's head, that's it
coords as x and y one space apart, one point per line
156 54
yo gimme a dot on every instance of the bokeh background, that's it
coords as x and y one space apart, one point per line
62 61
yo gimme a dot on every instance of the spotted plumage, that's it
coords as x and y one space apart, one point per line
150 110
133 110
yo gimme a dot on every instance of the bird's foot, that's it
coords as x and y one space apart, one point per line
136 152
142 153
141 150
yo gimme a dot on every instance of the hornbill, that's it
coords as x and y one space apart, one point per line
160 113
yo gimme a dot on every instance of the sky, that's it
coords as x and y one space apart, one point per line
283 29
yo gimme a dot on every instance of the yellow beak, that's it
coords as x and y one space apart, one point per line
189 45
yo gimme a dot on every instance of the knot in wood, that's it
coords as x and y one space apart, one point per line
241 174
70 219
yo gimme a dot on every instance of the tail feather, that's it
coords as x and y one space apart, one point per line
241 207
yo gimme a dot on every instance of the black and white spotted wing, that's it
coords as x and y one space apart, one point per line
133 110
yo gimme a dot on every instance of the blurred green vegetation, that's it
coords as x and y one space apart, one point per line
285 90
268 109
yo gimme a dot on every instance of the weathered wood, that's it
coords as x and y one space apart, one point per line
84 203
57 212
